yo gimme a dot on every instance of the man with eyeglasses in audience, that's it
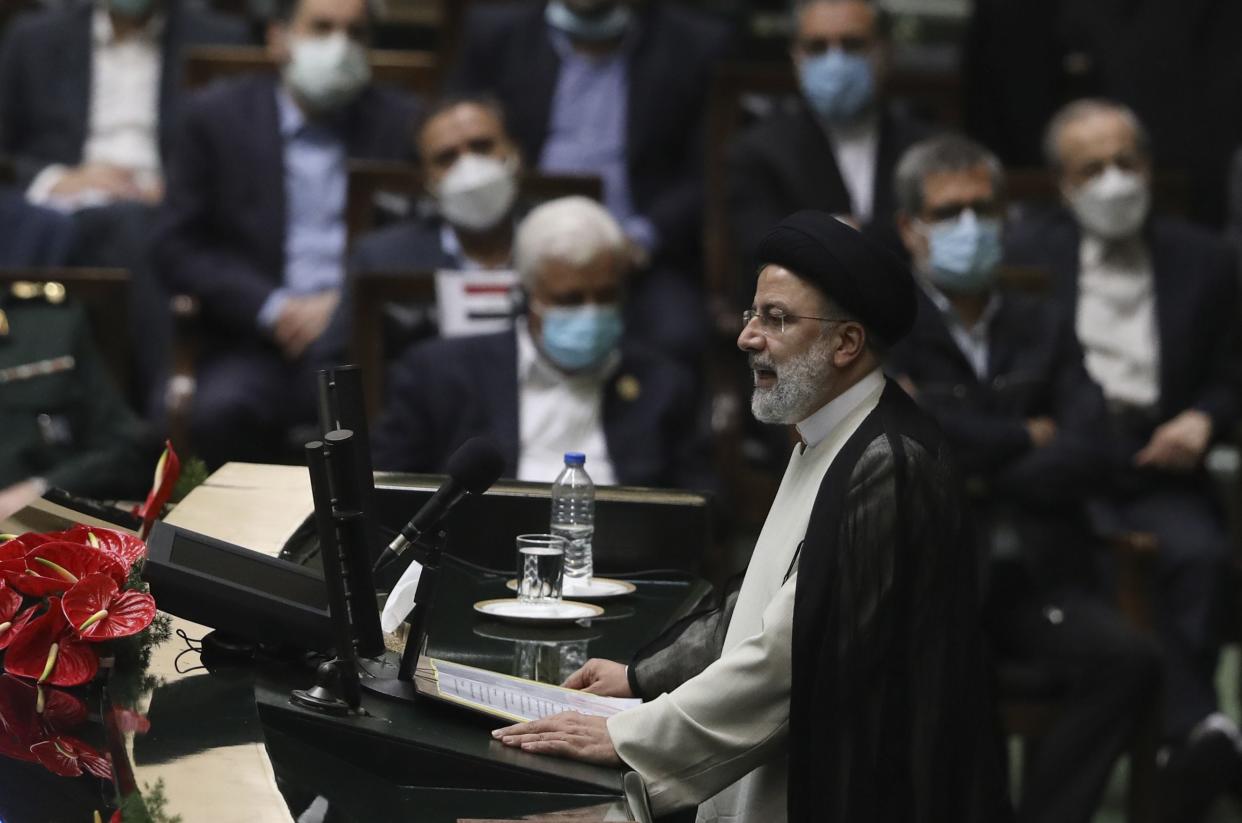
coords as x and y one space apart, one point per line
1003 375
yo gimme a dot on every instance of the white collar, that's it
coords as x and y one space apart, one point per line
104 34
816 428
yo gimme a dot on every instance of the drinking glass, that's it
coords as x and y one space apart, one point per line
540 567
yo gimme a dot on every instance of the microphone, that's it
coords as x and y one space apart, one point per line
472 469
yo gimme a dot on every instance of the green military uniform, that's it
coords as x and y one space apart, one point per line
61 417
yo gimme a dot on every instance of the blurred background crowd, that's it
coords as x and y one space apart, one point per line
537 220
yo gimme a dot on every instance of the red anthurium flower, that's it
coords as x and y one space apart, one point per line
68 756
54 567
11 627
167 471
47 651
99 610
124 547
19 726
59 710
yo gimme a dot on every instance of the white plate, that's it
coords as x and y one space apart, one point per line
600 588
563 611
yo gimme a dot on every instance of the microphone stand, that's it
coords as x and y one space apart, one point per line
403 687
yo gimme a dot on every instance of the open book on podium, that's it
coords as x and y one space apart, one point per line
510 698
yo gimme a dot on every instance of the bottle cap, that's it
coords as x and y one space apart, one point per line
575 458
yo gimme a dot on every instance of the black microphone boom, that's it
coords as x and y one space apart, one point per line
472 469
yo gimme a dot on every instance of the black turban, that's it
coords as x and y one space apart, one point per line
854 271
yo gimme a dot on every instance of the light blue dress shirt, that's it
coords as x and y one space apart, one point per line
588 131
315 181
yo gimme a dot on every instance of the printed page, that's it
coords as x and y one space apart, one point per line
518 698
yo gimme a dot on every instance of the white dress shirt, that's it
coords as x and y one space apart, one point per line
724 732
855 147
974 342
123 124
1116 321
560 413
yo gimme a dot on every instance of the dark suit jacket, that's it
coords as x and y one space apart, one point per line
1035 369
33 236
785 163
1196 307
443 392
507 51
410 245
221 235
45 79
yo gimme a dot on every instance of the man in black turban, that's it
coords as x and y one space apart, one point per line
843 682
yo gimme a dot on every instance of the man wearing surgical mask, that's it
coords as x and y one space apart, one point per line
470 169
1155 303
835 152
254 223
90 94
566 378
1003 375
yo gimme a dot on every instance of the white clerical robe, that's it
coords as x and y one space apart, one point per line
724 731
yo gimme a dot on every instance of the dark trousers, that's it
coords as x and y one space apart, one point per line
248 399
1191 589
118 236
1107 673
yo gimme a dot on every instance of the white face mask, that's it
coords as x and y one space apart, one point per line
1112 205
478 191
325 73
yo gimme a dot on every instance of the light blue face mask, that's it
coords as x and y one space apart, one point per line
608 25
579 337
839 86
131 9
965 253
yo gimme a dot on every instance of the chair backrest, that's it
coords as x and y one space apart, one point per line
412 71
371 180
102 293
371 292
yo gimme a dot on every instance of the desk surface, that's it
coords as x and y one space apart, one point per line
222 758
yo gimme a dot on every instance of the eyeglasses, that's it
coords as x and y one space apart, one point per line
772 321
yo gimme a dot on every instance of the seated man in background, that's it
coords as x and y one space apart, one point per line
90 94
1003 375
62 421
254 221
565 379
837 151
470 168
1155 307
618 89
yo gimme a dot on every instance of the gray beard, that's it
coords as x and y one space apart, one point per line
799 383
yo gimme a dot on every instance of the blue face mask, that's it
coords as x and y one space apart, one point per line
607 25
579 337
131 9
839 86
965 253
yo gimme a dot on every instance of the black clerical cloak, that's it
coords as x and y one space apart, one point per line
891 719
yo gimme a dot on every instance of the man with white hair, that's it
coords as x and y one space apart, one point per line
564 379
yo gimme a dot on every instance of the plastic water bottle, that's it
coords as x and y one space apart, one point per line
573 517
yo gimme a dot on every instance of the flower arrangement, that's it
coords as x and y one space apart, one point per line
64 597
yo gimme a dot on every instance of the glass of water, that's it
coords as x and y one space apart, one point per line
540 567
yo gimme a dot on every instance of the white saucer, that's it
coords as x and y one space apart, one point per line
561 611
600 588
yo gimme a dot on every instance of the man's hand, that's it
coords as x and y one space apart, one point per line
302 320
18 496
120 183
602 677
1179 444
568 734
1041 430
